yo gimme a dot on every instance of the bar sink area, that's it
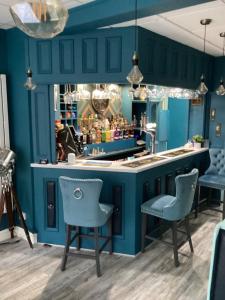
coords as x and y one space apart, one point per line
112 150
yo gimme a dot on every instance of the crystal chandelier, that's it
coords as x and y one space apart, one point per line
135 76
42 19
202 88
221 89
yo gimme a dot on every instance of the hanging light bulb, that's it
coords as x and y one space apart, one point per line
135 76
29 84
221 89
202 88
41 19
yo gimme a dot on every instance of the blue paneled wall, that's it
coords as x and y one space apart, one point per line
217 103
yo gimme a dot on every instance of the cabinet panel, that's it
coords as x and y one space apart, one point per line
113 46
44 57
40 123
66 56
162 59
89 55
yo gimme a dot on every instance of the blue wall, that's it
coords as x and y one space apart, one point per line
19 118
218 103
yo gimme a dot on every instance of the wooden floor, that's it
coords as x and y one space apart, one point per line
35 274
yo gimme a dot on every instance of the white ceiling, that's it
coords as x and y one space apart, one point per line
6 21
184 26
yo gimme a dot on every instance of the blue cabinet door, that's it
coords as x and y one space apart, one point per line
100 56
42 123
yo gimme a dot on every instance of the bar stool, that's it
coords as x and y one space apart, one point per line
214 178
172 209
81 208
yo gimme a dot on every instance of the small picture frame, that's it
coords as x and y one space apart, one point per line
218 129
212 114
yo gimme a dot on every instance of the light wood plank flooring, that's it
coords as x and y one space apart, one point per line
35 274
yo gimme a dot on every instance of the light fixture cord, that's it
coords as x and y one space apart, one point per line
136 29
28 50
204 60
223 46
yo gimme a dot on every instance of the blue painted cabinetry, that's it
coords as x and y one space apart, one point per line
100 56
42 123
105 56
166 62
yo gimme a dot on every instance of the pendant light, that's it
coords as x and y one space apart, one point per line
135 76
221 89
202 88
42 19
29 84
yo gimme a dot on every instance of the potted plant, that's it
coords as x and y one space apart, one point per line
198 141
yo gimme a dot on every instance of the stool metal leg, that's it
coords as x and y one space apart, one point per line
78 237
223 205
110 234
143 232
97 248
175 248
197 202
67 247
187 226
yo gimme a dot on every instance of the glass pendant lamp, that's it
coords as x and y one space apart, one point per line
202 88
29 85
135 76
221 89
42 19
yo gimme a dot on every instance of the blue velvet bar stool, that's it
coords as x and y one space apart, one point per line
216 287
214 178
81 208
172 209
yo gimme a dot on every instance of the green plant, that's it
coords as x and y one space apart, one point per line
198 138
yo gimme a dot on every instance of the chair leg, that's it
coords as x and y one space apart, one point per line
67 247
110 234
197 201
143 232
209 198
78 237
223 205
97 251
187 226
175 248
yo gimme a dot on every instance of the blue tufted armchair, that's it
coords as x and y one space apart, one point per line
214 177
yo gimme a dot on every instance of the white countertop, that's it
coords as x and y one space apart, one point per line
120 166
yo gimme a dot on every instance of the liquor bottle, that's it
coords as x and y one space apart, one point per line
116 134
84 136
89 137
108 135
103 135
134 121
98 136
93 135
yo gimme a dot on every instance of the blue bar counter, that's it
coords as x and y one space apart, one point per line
126 186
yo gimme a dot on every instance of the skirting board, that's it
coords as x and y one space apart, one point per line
19 232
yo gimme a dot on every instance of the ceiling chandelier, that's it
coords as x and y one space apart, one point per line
135 76
202 88
221 89
42 19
